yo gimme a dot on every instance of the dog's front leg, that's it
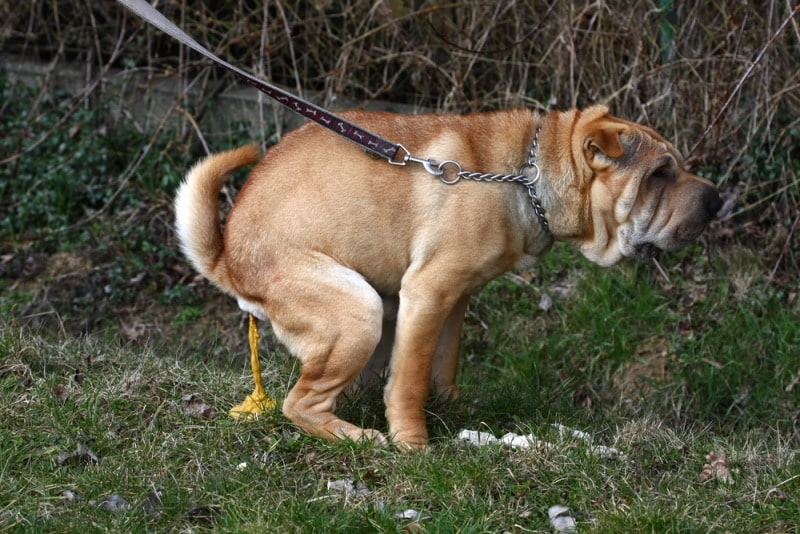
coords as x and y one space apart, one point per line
420 320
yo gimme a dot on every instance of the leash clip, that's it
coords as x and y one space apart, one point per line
430 165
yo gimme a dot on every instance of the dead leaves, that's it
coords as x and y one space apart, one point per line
196 407
151 505
112 503
21 372
116 503
649 367
82 455
716 468
60 393
348 488
356 492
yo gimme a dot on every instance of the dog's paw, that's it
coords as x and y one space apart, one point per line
373 436
449 393
347 431
411 447
408 441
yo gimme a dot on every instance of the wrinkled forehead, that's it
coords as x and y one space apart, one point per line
643 143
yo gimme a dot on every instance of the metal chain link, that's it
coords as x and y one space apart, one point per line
440 170
450 172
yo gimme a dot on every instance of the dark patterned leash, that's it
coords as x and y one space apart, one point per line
370 142
394 153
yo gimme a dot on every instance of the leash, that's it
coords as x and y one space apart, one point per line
370 142
449 172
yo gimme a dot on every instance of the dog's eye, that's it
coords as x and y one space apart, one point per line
664 172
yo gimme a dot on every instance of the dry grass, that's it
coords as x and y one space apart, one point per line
90 419
718 78
672 68
66 381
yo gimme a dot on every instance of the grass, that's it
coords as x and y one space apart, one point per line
117 367
525 369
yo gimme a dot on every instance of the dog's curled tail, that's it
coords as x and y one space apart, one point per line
197 212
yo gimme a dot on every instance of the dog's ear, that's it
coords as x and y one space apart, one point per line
603 141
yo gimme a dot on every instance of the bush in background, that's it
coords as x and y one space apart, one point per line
720 79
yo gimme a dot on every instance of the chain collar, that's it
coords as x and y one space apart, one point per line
530 183
450 172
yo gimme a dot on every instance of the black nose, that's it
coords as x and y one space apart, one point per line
713 202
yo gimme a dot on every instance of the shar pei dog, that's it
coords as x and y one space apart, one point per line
364 267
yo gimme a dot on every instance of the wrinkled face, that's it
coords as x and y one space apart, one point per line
641 198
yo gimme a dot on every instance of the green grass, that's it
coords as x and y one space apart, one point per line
729 362
104 332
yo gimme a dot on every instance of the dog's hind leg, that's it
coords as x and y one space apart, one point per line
330 318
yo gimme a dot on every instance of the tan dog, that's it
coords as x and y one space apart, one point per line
325 241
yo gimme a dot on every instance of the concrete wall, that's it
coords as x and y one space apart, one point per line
146 100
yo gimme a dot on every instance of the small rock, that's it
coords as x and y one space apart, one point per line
561 520
112 503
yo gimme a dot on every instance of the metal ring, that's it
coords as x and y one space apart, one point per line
454 179
530 182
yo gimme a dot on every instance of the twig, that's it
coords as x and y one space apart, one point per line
744 78
662 271
288 30
78 100
745 498
783 251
